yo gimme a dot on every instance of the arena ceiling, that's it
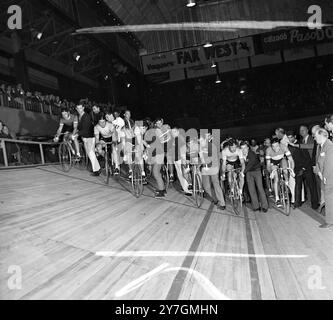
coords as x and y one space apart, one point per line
175 11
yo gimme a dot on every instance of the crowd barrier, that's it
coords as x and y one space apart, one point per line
23 153
29 104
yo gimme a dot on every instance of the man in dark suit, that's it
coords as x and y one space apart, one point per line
304 172
254 178
315 154
306 141
325 165
86 132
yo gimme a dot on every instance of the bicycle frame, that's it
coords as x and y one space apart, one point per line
283 188
235 192
197 184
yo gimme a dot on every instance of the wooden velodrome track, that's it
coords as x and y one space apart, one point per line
75 238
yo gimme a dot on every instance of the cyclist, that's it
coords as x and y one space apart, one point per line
163 132
192 157
140 129
69 127
109 117
128 130
103 132
232 159
276 156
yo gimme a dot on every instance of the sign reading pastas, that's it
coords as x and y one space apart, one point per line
189 57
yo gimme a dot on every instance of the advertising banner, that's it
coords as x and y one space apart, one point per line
288 39
190 57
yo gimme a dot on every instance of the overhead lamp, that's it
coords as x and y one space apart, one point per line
36 34
208 45
191 3
218 79
76 56
128 85
213 65
242 91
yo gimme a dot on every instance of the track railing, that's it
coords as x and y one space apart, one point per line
23 153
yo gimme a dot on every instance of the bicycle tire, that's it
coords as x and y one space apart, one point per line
236 199
198 191
107 168
286 199
65 157
137 182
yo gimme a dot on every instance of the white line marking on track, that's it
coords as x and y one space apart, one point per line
203 281
140 281
143 254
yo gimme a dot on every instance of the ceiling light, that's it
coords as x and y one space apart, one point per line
128 85
36 34
76 56
191 3
218 79
213 65
207 45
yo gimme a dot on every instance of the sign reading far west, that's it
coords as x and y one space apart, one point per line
189 57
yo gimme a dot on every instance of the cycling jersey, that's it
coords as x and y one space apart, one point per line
192 152
69 123
276 157
105 132
119 124
232 157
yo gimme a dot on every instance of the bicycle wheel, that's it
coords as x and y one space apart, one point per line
236 199
107 167
65 157
148 171
137 182
165 177
83 163
198 191
285 198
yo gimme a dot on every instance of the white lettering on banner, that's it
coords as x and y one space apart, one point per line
298 36
317 35
159 66
195 56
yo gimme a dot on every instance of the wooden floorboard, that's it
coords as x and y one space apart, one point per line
76 238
